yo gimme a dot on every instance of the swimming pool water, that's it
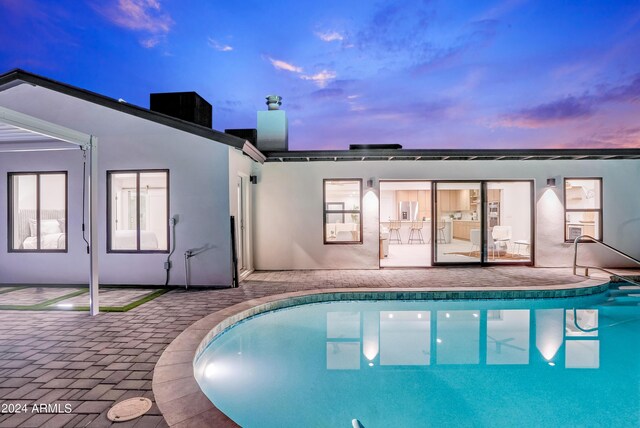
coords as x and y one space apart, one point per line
560 362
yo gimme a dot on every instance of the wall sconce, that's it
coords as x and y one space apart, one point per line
253 179
551 182
370 183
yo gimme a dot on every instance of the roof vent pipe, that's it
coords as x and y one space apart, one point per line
274 102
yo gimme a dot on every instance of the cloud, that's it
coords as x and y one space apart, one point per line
475 35
623 93
329 36
394 27
150 42
573 107
402 35
282 65
328 93
138 15
569 108
321 78
618 138
409 112
219 46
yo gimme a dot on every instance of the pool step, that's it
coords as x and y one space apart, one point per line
618 280
623 292
622 301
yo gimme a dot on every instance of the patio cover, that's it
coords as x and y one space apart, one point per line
23 133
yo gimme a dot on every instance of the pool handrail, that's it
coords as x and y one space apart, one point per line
580 238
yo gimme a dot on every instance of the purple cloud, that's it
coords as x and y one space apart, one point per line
569 108
611 139
572 107
476 35
139 15
328 93
629 92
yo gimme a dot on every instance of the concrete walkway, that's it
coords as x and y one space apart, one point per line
91 363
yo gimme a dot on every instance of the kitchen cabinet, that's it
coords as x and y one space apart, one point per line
454 200
464 200
462 229
424 204
444 201
493 195
422 197
407 195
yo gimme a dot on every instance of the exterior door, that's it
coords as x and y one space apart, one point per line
509 222
240 224
457 222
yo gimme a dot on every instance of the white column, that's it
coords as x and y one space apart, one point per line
94 305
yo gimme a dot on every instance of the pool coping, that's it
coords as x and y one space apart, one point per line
182 402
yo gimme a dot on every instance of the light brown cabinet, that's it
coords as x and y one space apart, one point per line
444 203
462 229
464 201
493 195
454 200
407 195
424 204
422 197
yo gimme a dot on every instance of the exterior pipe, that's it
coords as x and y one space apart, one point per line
187 255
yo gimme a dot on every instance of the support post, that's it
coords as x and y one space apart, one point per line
94 305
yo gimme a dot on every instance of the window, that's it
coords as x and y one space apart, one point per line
138 211
342 211
38 211
583 208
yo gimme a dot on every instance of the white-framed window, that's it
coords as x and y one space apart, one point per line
342 211
583 208
138 211
37 211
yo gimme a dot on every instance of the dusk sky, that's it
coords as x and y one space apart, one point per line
424 74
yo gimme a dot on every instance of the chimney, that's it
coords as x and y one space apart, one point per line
187 106
273 129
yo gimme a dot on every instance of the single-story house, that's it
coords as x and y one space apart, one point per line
165 186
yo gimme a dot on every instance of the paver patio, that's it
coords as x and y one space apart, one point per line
93 362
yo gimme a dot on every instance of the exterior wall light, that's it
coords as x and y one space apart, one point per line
551 182
370 183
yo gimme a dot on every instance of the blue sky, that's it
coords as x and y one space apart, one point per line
424 74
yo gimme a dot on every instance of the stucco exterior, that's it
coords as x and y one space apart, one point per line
288 233
199 185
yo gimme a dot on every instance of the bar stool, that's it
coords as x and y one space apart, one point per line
394 232
441 237
415 233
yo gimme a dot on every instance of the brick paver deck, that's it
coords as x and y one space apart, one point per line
91 363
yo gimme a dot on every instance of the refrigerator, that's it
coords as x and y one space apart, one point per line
493 214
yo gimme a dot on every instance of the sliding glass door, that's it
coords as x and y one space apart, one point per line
483 222
456 226
508 223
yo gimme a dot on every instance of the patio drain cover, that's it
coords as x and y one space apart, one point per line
129 409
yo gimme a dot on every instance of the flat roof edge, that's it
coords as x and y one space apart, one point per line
453 154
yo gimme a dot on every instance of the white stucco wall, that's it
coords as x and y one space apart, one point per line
288 208
199 185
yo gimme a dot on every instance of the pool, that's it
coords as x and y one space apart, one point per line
571 362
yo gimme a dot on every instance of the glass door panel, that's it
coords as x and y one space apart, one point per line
457 236
508 221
